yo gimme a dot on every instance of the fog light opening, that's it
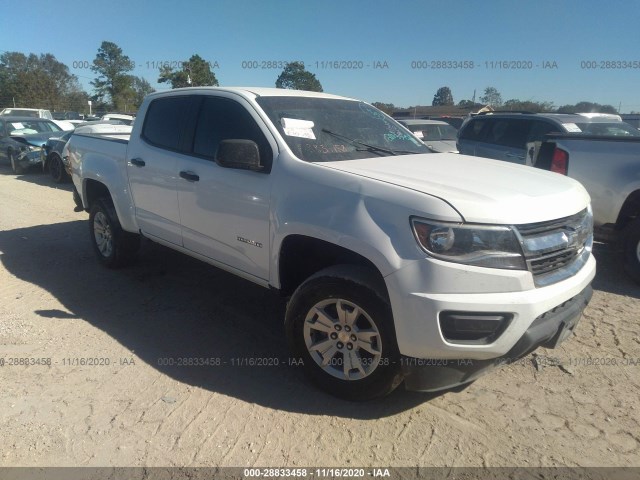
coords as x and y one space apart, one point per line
473 327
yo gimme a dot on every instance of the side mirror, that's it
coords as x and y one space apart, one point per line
239 154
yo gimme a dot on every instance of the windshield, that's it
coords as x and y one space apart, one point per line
27 127
434 132
615 129
326 130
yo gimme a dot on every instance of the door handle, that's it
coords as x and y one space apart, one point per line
192 177
138 162
513 155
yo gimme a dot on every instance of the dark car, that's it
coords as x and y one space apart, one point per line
22 139
51 156
508 136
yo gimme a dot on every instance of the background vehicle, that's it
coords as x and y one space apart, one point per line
65 125
27 112
125 119
51 155
632 119
22 138
438 136
398 262
504 136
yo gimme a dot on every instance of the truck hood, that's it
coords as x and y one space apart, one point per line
481 190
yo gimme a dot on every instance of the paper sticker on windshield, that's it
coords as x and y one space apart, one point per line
419 134
18 126
572 127
294 127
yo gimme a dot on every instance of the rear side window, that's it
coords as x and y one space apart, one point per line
164 121
540 129
474 130
509 133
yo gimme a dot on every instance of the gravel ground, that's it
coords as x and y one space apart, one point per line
97 390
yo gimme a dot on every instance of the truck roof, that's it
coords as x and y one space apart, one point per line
254 92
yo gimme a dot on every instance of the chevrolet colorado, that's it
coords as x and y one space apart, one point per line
401 265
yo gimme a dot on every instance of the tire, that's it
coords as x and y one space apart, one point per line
352 354
632 250
15 166
56 169
113 246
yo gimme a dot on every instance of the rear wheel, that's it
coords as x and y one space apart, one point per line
56 169
15 166
341 325
632 249
113 246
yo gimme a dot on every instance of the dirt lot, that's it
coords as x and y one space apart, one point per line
58 305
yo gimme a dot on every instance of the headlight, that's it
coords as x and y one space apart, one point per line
478 245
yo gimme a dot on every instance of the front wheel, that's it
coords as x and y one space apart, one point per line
632 249
56 169
113 246
339 322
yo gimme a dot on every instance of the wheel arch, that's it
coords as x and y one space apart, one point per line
630 209
301 257
94 188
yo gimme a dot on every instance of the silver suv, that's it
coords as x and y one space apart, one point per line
505 135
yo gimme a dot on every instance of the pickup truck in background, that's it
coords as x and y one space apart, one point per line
609 169
400 265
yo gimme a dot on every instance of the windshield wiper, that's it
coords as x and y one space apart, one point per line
368 148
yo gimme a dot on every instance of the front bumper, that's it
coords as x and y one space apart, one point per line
547 330
423 290
28 158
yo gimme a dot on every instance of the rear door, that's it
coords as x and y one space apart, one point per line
224 211
152 166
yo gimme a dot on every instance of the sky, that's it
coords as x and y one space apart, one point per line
388 44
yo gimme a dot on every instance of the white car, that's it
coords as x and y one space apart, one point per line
27 112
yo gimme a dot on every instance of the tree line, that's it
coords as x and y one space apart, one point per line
493 98
41 81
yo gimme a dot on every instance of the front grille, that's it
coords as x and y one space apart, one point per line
552 262
551 248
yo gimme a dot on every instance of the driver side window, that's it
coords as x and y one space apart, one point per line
223 119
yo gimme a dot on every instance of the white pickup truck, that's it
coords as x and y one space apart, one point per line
400 264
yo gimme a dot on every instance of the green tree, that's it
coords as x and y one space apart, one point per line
442 97
387 108
76 101
466 103
35 81
491 97
587 107
528 106
196 72
113 85
141 88
296 77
